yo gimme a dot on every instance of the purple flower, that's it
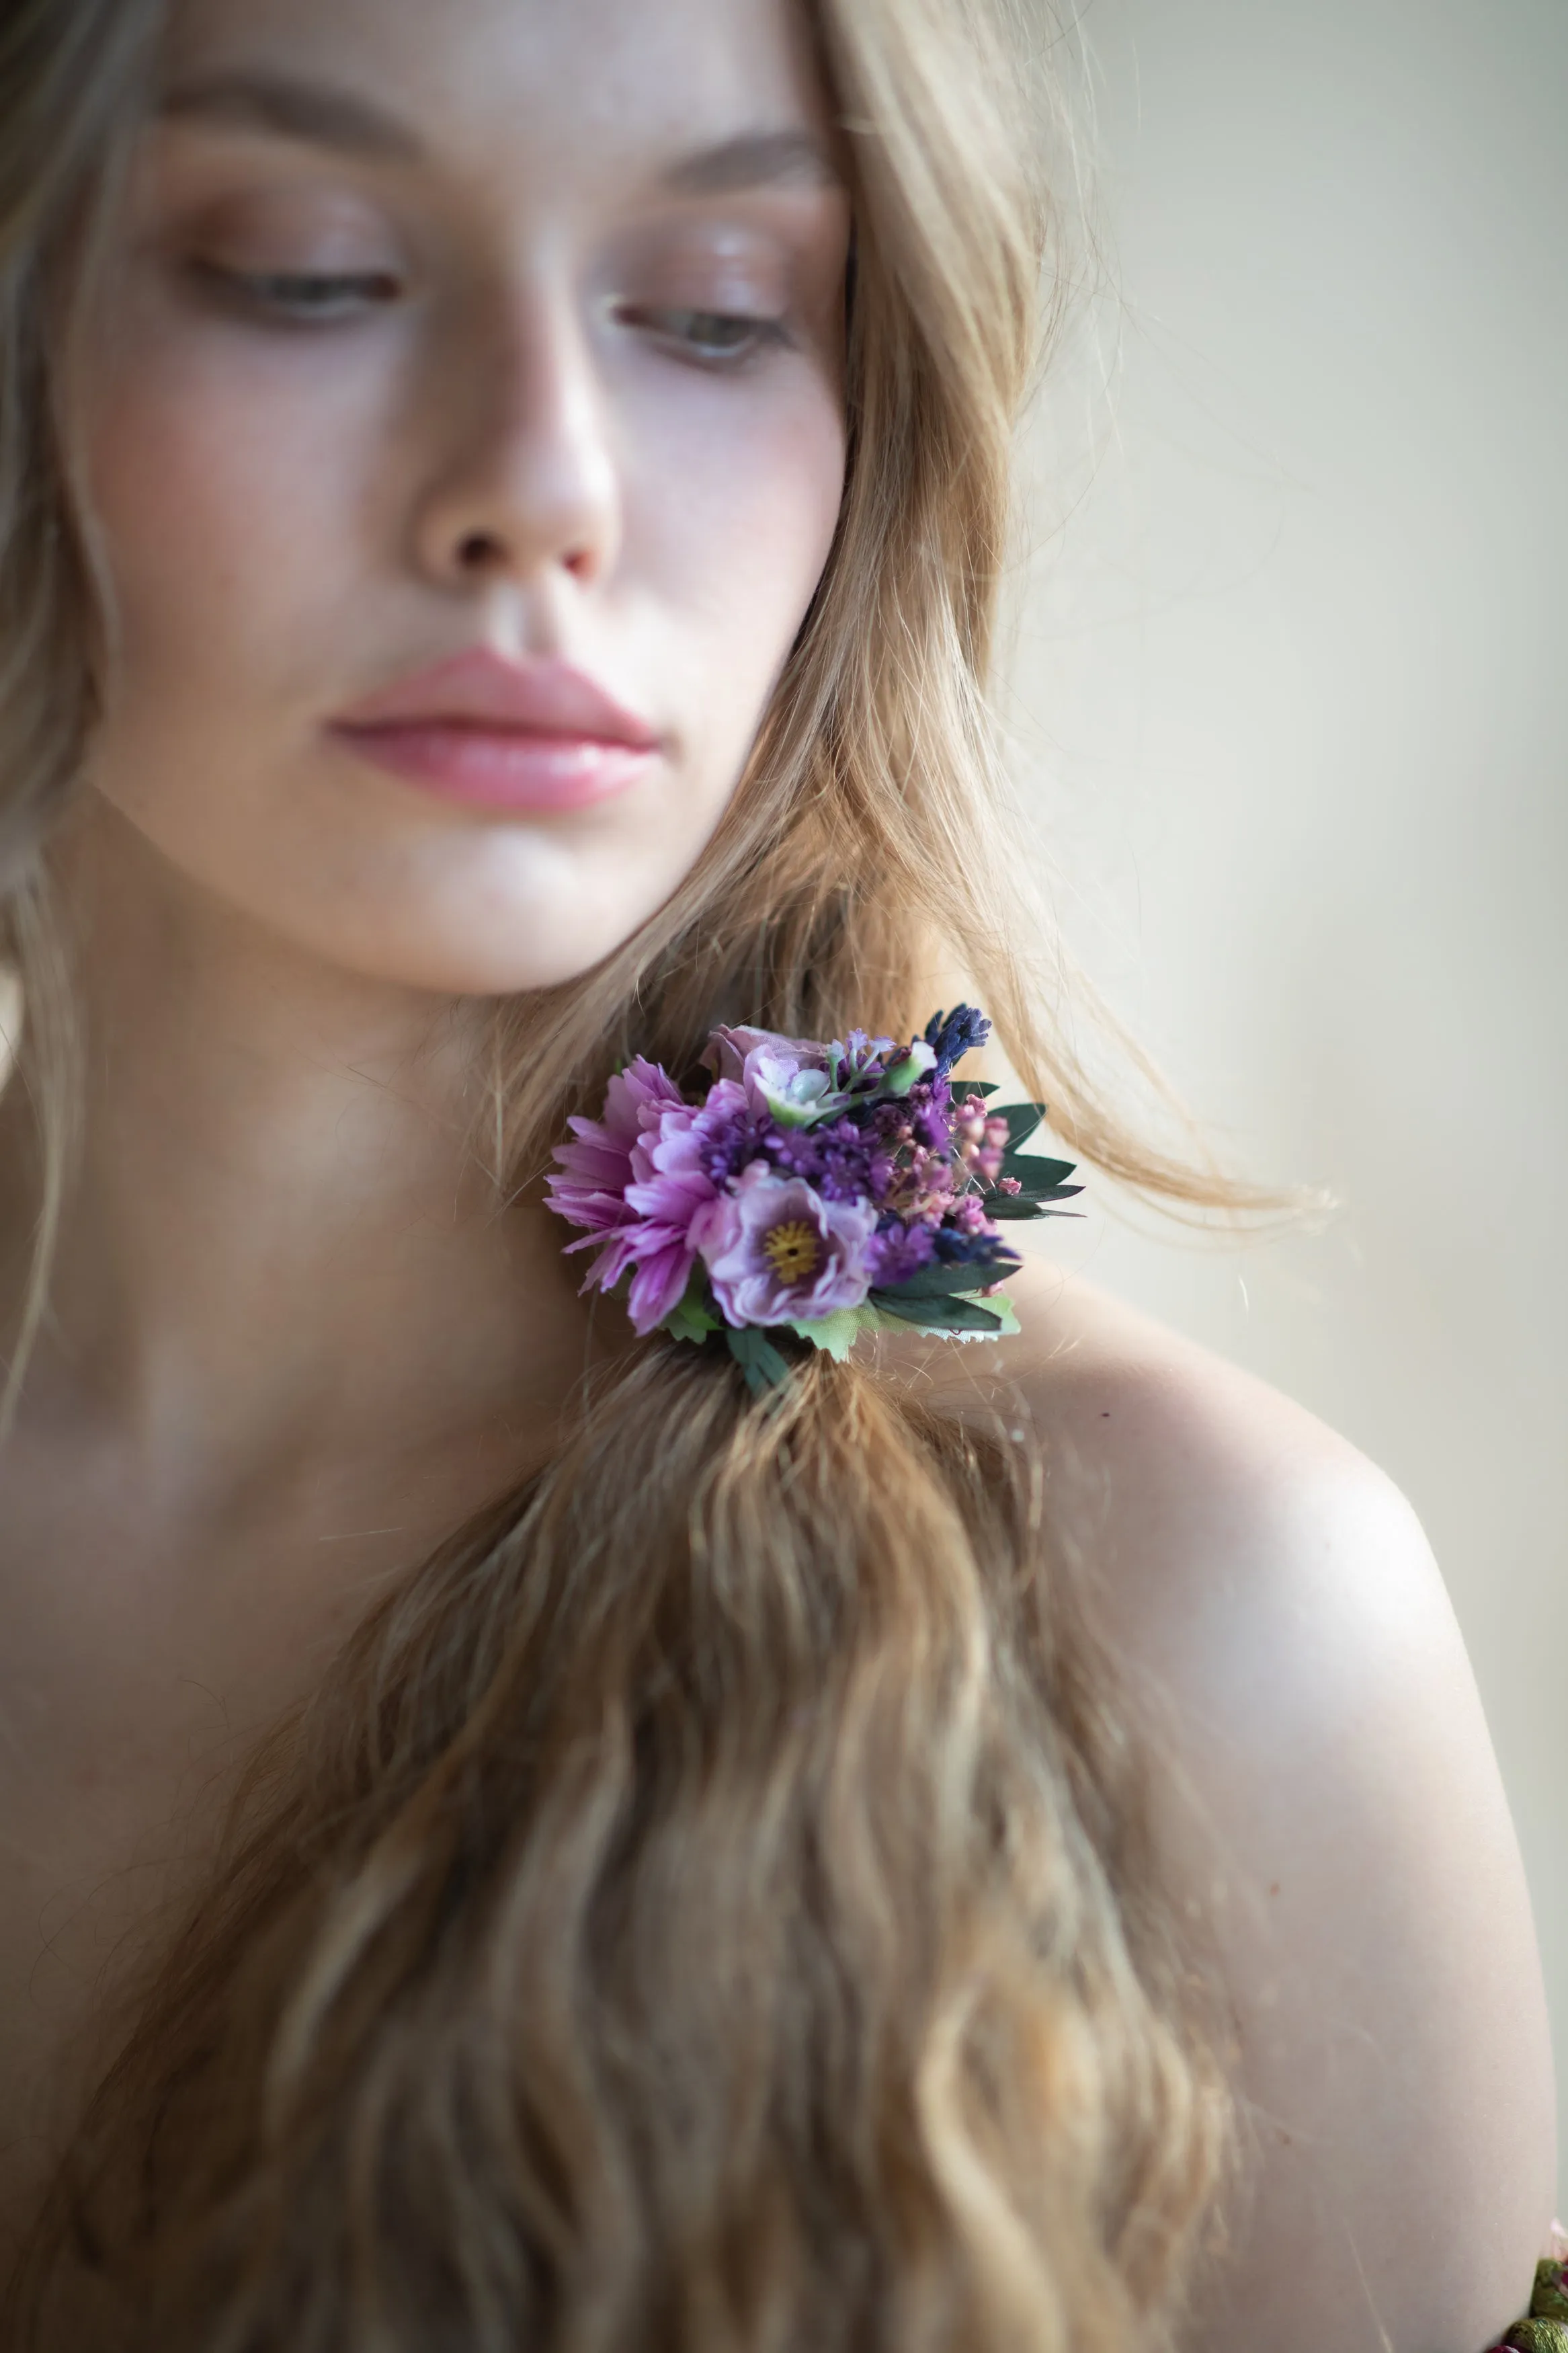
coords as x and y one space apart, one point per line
589 1185
778 1253
930 1116
794 1081
731 1137
844 1161
785 1078
638 1182
674 1200
898 1251
784 1085
727 1050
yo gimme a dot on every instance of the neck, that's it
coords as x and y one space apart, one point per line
278 1234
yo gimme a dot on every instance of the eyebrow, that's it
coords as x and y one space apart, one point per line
317 112
323 115
760 159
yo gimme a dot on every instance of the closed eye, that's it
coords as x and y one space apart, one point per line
302 297
711 338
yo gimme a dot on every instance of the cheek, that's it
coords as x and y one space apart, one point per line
731 530
223 498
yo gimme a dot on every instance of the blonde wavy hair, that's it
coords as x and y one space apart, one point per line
709 1905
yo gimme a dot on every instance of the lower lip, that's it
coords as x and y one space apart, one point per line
503 768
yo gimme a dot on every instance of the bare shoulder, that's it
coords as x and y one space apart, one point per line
1335 1826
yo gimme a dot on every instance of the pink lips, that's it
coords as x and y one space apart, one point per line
494 733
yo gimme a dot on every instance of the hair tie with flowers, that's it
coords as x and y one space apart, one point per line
820 1190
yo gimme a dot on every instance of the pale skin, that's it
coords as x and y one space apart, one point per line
575 388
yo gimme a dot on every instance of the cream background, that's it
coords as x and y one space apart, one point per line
1292 711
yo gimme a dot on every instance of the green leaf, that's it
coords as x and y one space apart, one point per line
1022 1121
1037 1195
692 1318
1033 1170
948 1282
984 1088
836 1333
1014 1209
939 1314
764 1368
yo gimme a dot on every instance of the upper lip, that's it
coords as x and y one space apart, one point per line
479 688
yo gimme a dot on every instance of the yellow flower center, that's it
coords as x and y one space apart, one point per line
792 1251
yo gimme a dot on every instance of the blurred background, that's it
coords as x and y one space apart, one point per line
1290 708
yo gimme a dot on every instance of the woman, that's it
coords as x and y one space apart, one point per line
512 1839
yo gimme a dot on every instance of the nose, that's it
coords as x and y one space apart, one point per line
524 486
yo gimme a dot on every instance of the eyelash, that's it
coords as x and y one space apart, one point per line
299 298
330 297
756 334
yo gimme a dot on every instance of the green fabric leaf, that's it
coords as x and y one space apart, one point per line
692 1318
1000 1322
1012 1209
1033 1170
836 1333
1022 1121
764 1368
939 1314
947 1282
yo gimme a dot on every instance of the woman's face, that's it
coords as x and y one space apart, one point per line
464 425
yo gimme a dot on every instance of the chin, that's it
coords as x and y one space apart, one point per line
503 955
467 968
483 913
